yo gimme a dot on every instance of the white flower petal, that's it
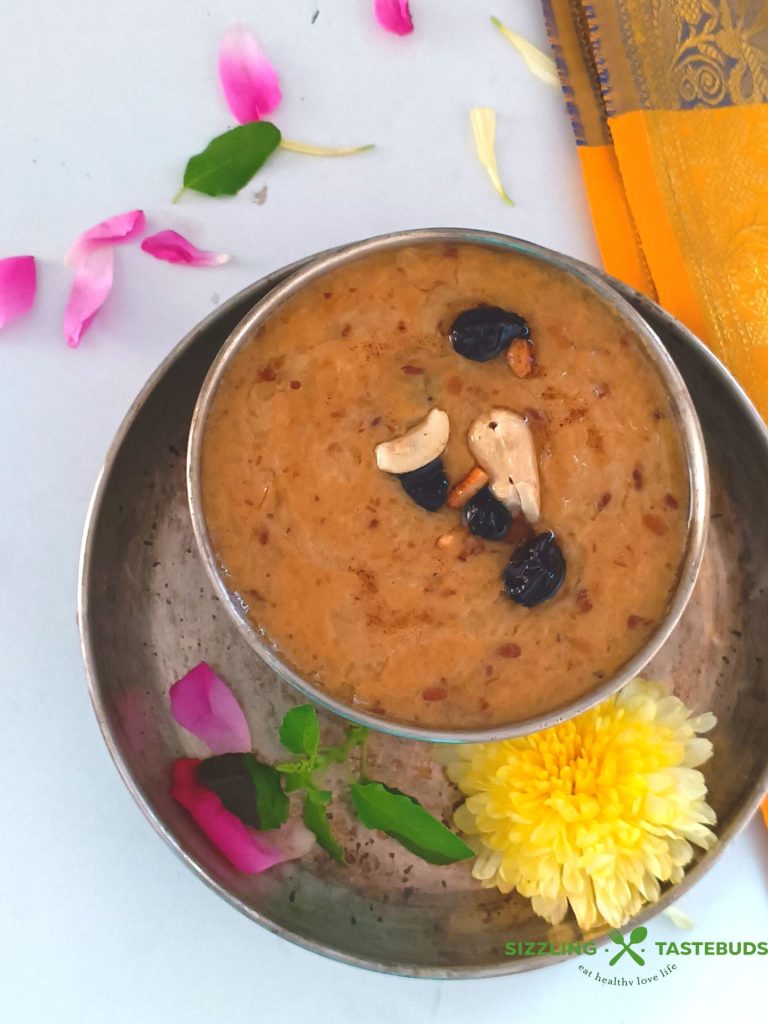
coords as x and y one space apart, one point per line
538 63
678 917
483 121
697 751
703 723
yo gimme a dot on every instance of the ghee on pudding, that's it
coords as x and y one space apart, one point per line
400 611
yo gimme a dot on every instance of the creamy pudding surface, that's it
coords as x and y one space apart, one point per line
401 611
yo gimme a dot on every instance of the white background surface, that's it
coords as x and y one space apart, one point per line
101 103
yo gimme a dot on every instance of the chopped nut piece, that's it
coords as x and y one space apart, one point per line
473 482
446 540
417 447
434 693
520 357
636 621
603 501
503 445
655 524
509 651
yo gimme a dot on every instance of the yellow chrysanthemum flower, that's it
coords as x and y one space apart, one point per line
595 812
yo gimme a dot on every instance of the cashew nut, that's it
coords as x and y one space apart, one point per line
502 444
417 447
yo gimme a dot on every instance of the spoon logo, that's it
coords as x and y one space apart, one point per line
636 936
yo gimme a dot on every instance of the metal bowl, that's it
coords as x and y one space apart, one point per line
147 614
681 405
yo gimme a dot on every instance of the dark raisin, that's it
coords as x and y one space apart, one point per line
228 777
482 333
486 517
428 485
536 570
424 472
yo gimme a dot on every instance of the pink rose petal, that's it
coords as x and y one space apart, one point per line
18 284
203 703
175 248
248 850
91 256
120 228
90 288
249 81
394 16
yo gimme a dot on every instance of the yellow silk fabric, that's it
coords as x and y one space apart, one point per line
669 103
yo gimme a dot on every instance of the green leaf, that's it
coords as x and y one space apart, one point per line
230 160
300 731
356 734
317 821
301 764
299 780
405 820
271 801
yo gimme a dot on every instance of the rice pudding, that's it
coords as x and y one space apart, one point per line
403 611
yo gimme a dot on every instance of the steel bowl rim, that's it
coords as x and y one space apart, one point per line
459 973
690 429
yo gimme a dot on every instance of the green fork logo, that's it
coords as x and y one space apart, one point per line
635 936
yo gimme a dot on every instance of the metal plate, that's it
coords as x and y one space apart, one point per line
147 614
